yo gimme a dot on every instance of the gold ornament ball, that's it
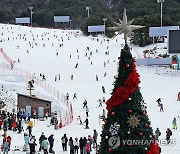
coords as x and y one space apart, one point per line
129 132
129 98
146 148
118 125
150 135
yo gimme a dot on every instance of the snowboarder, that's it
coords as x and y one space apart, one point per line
76 65
157 133
174 123
64 141
103 89
168 135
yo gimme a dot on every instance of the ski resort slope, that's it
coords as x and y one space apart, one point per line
37 48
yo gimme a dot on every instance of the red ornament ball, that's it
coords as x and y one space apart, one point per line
146 125
110 149
140 134
144 113
101 135
127 65
130 111
113 113
131 145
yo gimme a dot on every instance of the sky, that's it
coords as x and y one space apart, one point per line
37 48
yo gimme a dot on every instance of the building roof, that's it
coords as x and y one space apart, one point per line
34 98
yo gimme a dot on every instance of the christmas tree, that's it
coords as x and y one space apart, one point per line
127 129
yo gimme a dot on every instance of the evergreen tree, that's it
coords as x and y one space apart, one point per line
127 129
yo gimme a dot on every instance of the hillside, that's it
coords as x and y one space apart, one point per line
44 10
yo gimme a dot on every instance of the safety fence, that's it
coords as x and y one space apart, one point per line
7 58
66 116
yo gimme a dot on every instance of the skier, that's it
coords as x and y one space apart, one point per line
161 107
51 143
168 135
87 111
55 78
84 104
64 141
95 135
159 101
67 96
174 123
97 79
104 101
59 76
157 133
87 123
72 77
103 89
100 102
75 96
76 65
80 120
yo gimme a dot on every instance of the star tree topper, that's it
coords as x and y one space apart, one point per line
125 27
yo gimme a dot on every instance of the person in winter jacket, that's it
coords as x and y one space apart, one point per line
90 139
88 147
51 143
41 139
71 145
6 146
174 123
81 145
44 145
87 123
76 145
168 135
157 133
32 144
95 135
26 141
9 141
87 111
64 141
103 89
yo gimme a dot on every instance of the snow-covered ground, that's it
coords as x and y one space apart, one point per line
37 49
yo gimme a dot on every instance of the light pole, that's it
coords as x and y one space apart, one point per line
31 8
88 8
105 19
161 1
